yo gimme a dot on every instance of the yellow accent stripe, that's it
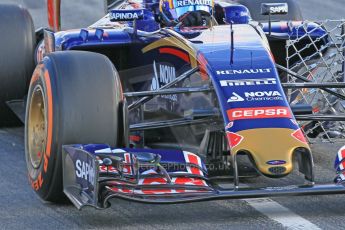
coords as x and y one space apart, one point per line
174 42
171 4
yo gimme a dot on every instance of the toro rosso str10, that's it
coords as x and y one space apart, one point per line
129 108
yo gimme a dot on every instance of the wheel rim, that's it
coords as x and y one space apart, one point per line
37 123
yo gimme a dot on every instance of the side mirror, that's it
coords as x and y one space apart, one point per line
274 8
237 14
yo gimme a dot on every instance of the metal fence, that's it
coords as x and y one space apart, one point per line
320 60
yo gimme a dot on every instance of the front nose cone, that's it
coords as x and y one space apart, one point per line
271 149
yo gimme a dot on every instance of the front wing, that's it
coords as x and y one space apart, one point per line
93 174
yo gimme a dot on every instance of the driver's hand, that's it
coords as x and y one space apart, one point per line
195 18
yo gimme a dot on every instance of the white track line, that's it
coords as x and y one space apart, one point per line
277 212
280 214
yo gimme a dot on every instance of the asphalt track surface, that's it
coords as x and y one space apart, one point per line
20 208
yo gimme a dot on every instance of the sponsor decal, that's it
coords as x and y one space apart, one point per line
289 187
234 139
38 182
235 98
121 15
85 170
163 75
263 96
283 9
258 113
229 125
276 162
248 82
243 71
193 2
257 96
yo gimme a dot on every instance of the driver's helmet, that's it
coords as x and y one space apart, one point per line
172 11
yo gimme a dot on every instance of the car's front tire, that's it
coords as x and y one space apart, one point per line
74 98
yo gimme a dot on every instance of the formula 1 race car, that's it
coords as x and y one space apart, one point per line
129 109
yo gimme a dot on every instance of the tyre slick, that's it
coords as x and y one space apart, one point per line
17 43
74 98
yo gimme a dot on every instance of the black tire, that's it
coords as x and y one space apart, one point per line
254 7
17 43
81 96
